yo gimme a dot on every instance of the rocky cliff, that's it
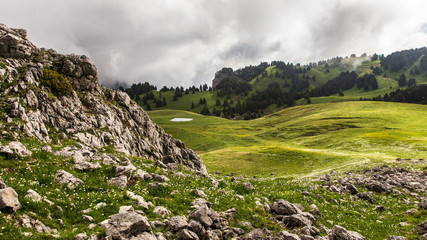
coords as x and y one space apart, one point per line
37 102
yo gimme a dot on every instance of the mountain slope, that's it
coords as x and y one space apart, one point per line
37 105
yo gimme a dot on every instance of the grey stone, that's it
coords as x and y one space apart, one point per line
177 223
161 211
120 181
124 170
186 234
125 225
33 196
421 228
340 233
63 177
284 235
9 199
202 215
15 148
283 207
296 220
81 236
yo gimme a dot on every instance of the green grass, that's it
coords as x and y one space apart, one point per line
304 140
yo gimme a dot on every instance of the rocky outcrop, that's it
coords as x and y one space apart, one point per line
90 114
221 75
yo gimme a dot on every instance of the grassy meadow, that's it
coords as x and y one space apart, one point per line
304 140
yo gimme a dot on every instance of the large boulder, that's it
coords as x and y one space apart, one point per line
126 225
15 148
9 199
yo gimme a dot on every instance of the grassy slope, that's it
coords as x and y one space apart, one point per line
304 140
386 84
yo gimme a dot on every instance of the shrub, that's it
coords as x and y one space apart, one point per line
57 83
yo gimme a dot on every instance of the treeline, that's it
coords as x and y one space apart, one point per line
397 61
413 94
250 72
345 81
138 89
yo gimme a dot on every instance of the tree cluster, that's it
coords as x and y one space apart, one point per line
140 88
344 81
413 94
397 61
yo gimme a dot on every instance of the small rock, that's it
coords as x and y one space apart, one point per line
63 177
421 229
199 193
161 211
314 209
248 186
159 178
46 148
177 223
186 234
87 218
396 238
339 232
142 175
423 204
120 181
33 196
81 236
124 170
286 235
126 209
283 207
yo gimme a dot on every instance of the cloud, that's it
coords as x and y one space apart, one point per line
176 43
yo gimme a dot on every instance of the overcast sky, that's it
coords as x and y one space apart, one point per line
181 43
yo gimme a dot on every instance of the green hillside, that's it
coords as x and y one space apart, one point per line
304 140
316 75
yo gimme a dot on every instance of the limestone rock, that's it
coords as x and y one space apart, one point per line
186 234
177 223
286 236
202 215
15 148
297 220
63 177
161 211
9 199
421 229
2 184
28 222
340 233
33 196
140 200
120 181
125 225
80 236
142 175
283 207
124 170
